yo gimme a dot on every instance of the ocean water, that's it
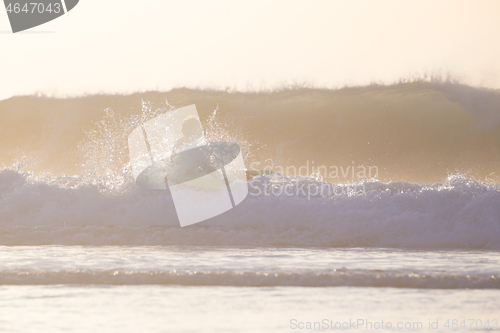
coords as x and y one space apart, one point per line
245 289
242 289
416 245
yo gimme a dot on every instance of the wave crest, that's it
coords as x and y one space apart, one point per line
458 213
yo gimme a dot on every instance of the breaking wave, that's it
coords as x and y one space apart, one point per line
457 213
435 145
413 132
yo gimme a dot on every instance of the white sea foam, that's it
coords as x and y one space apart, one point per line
458 213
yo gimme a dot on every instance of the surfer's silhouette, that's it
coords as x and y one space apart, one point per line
192 133
185 165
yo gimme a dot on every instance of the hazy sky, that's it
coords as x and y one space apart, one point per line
127 46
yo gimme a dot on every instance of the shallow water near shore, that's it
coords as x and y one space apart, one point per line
234 289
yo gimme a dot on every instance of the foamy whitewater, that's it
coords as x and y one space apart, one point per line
420 238
459 213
